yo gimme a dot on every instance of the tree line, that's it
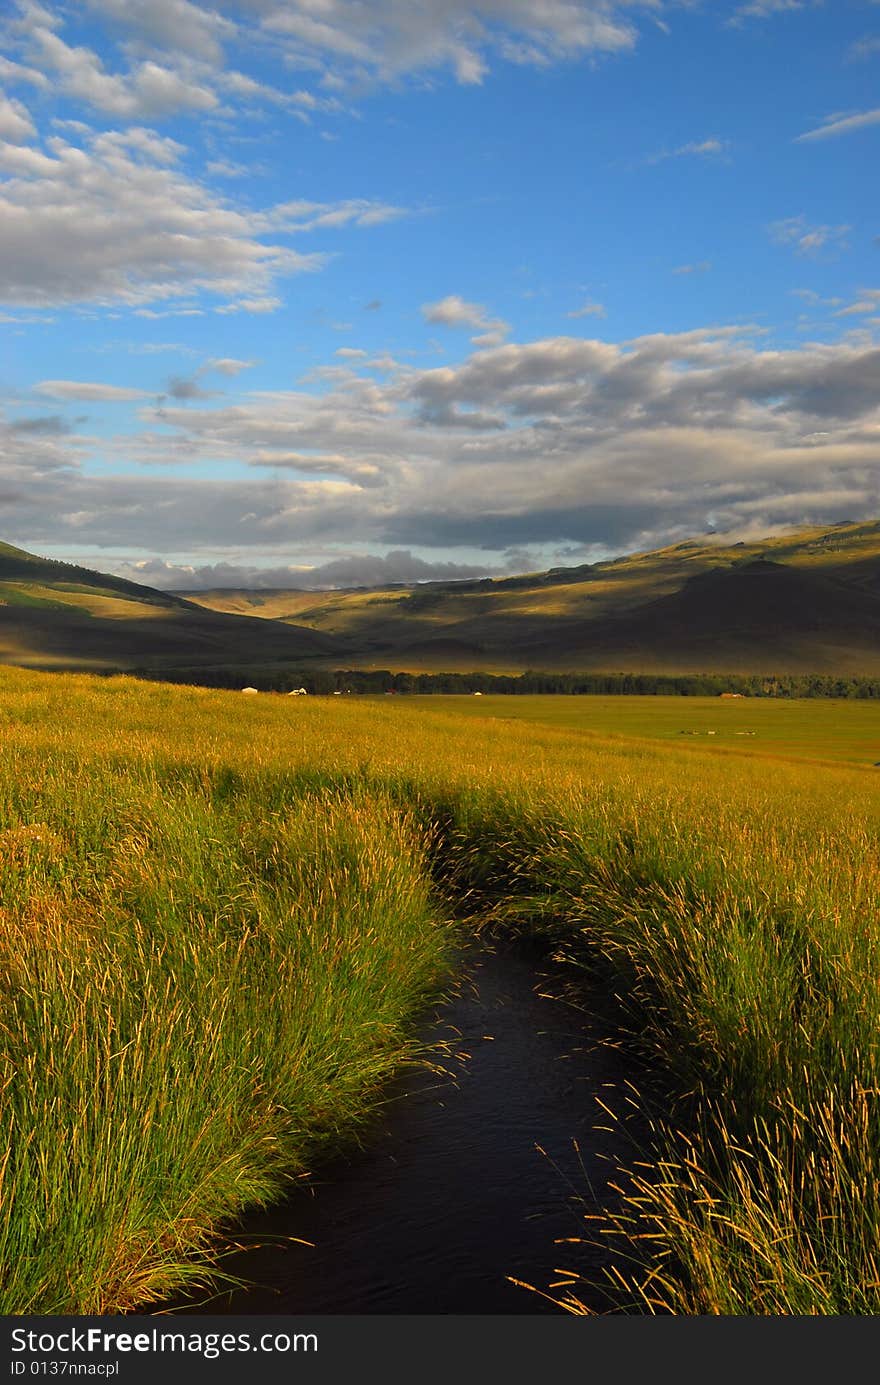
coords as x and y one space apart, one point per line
326 682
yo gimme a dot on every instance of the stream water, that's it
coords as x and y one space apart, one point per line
468 1178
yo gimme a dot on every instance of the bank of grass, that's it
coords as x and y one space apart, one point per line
198 992
220 915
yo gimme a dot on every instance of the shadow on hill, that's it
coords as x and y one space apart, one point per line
758 613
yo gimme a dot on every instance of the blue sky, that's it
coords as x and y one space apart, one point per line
322 292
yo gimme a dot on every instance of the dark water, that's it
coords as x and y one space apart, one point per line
450 1194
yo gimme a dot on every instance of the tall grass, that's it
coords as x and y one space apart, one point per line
195 997
219 919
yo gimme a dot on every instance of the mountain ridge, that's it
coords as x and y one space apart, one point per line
807 602
657 611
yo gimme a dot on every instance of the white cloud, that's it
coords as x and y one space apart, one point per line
147 91
805 238
454 311
562 440
228 365
835 125
225 168
15 122
111 222
703 148
264 304
300 216
865 47
384 39
155 316
87 390
346 570
171 55
13 72
590 310
763 9
175 25
868 301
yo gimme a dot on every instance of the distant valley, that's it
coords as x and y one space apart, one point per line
809 602
805 603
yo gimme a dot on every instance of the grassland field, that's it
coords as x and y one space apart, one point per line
220 916
804 729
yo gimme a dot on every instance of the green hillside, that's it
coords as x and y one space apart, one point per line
58 615
806 602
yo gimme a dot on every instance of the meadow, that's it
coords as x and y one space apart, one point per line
220 917
802 729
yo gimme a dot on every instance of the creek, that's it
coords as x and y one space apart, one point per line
468 1177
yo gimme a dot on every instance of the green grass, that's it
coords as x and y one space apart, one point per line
805 729
219 916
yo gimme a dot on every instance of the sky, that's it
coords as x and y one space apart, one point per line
340 292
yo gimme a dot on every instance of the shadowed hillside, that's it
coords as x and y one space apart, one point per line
762 615
808 602
58 615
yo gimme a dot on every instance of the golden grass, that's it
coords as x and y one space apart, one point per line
219 915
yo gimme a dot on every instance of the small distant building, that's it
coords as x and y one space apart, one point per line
250 690
478 694
298 692
730 694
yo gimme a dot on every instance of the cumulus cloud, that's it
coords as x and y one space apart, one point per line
454 311
15 122
172 55
187 387
382 39
561 441
348 570
14 72
177 25
362 471
114 220
148 91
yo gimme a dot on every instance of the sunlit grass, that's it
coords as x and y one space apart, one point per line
816 729
219 915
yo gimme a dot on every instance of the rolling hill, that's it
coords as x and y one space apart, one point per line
58 615
803 603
